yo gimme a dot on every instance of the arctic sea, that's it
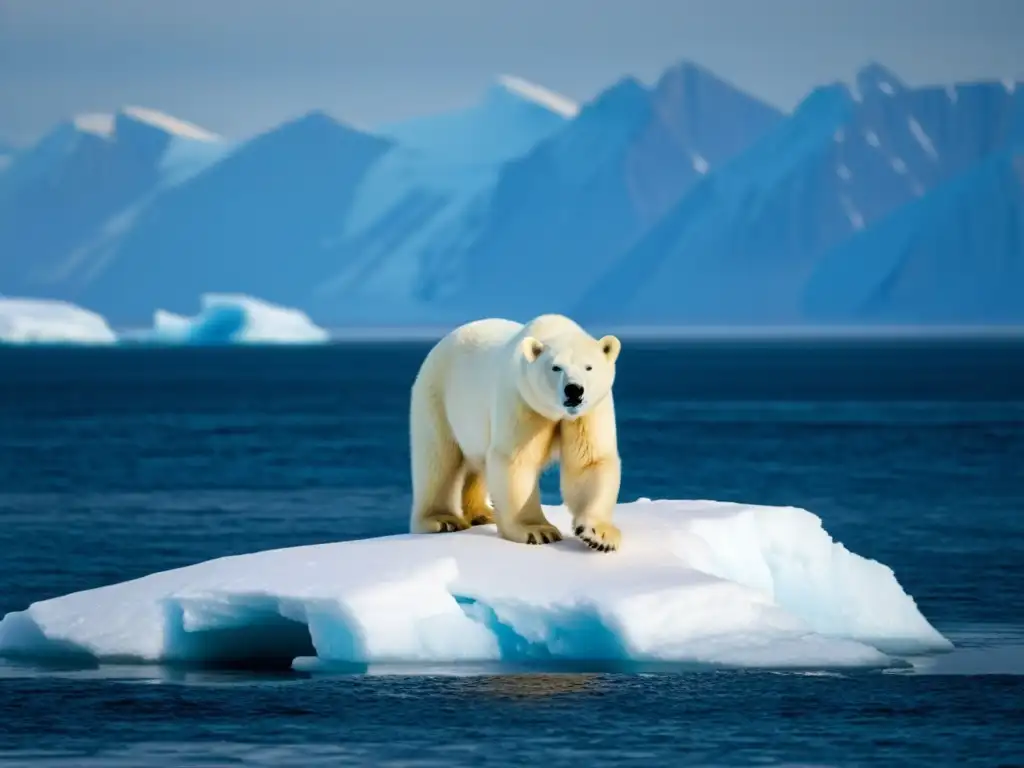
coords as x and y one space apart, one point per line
118 462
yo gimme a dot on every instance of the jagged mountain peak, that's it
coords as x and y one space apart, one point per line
690 74
876 78
687 199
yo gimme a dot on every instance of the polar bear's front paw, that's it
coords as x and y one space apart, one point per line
538 534
603 537
443 522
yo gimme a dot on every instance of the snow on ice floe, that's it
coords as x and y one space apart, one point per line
44 321
695 582
234 319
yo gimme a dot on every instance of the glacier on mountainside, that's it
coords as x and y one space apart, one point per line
257 222
233 319
955 255
43 321
421 204
695 582
512 117
741 246
572 205
65 201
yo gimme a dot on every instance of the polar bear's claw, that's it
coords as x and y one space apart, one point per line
541 534
601 537
444 523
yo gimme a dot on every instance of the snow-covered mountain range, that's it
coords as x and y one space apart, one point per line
764 239
683 202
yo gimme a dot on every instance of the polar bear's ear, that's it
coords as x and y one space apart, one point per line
532 348
611 347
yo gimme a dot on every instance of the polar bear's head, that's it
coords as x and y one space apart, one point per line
567 375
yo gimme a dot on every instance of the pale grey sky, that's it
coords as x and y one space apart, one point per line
240 66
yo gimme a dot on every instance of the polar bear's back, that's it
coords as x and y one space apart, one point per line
485 334
461 375
497 332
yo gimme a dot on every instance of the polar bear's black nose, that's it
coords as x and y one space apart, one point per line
573 393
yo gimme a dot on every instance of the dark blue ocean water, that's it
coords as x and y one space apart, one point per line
115 463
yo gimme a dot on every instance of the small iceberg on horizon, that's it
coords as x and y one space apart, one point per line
696 582
228 318
49 321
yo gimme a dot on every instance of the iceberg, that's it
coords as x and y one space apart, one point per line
43 321
234 319
696 583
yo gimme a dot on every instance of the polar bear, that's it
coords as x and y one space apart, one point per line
494 403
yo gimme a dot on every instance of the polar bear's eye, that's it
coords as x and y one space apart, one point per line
556 368
590 367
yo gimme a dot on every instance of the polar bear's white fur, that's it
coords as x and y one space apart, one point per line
493 404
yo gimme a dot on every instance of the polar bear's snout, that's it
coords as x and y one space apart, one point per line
573 394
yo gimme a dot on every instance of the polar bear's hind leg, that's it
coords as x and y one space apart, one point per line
437 467
475 508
